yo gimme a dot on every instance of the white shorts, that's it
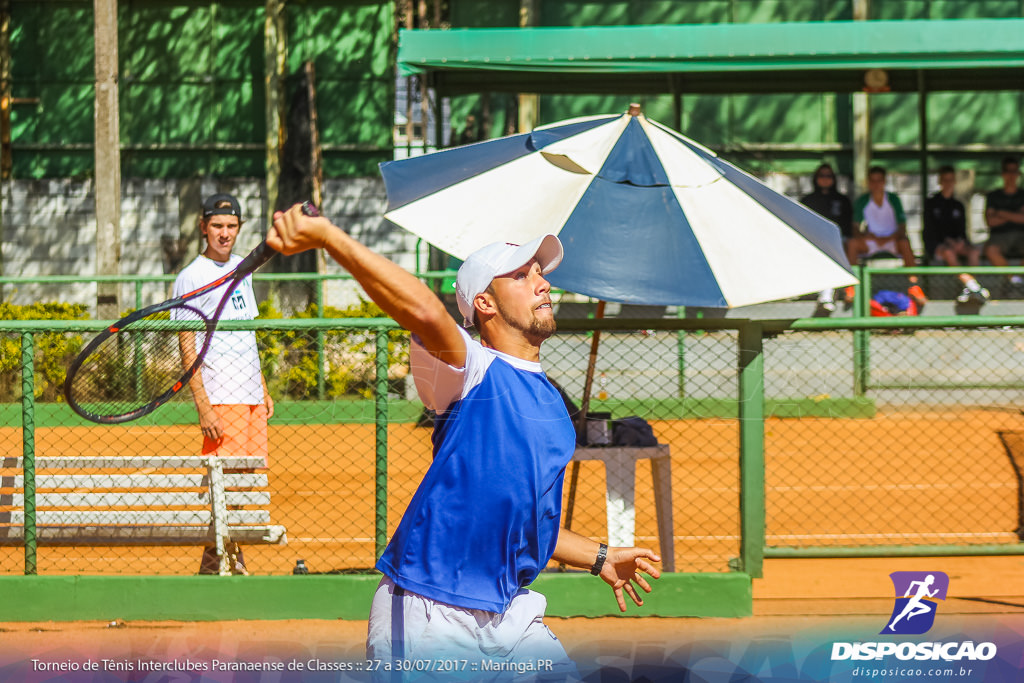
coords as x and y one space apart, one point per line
882 245
422 639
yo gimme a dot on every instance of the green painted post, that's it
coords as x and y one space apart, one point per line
321 360
861 350
381 417
865 312
137 362
28 448
751 413
681 352
137 344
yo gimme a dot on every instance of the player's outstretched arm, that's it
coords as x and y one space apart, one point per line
622 568
399 293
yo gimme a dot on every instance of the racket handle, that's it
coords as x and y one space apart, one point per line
309 208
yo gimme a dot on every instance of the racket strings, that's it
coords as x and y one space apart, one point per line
139 363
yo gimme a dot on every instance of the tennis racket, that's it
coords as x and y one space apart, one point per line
135 365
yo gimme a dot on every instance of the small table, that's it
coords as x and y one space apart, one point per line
620 476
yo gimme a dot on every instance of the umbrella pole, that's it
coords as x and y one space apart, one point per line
581 418
588 384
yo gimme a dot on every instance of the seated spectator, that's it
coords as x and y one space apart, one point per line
1004 214
828 202
884 228
945 235
886 303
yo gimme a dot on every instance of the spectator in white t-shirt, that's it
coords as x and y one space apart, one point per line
229 389
883 229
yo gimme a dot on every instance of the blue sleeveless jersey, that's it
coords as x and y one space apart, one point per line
486 516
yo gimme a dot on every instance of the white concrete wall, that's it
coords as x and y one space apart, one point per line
49 229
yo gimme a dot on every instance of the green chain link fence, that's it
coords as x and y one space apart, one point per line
784 438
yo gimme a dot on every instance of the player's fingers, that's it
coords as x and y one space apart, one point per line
639 579
217 430
276 233
638 554
285 234
647 567
634 596
300 231
648 554
620 600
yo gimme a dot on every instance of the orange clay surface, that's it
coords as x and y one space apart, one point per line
837 599
924 477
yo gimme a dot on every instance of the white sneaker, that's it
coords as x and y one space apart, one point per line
978 296
826 302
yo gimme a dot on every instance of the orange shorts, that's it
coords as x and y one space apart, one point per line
245 432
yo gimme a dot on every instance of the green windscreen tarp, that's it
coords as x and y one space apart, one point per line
832 56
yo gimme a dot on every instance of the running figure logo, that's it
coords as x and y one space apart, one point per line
916 595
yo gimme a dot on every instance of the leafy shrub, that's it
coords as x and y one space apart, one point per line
291 361
54 351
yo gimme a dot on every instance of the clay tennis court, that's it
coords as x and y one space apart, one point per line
838 599
821 479
939 477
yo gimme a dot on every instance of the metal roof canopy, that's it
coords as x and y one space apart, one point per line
967 54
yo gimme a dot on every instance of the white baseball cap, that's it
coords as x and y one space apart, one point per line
485 264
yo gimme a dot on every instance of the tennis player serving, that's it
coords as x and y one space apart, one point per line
485 520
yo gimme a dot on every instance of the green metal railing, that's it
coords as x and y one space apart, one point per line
379 327
315 280
749 409
750 399
860 309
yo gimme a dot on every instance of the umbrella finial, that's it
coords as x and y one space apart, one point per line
634 109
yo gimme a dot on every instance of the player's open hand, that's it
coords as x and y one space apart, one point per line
626 567
293 231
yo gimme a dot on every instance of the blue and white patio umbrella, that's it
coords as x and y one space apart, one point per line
645 214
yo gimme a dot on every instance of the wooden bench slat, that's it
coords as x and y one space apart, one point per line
134 462
267 533
198 498
251 480
170 501
143 535
133 517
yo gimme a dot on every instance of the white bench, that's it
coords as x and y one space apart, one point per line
620 495
141 500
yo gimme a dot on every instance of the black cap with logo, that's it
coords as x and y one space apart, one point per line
221 205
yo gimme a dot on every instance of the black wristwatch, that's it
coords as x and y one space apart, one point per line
602 555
